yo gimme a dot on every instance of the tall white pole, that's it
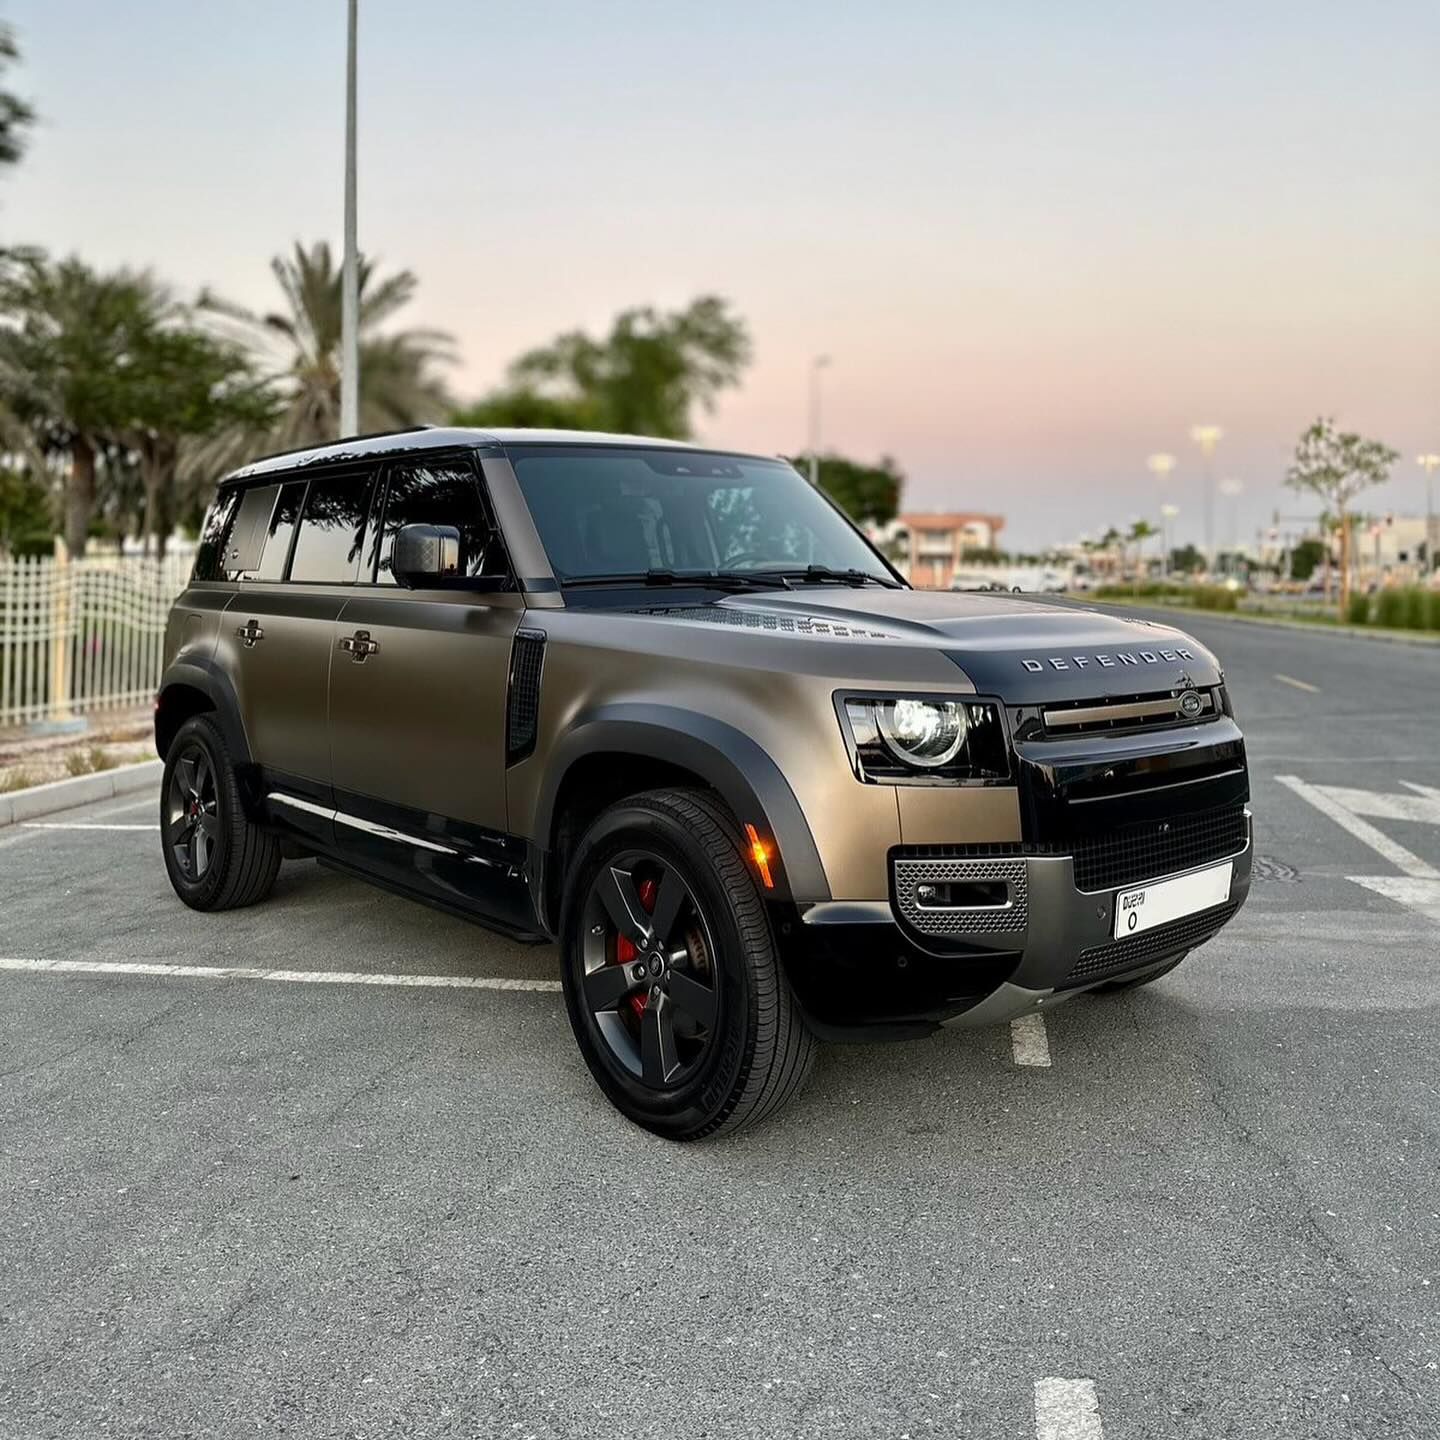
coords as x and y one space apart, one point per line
1429 463
816 366
350 273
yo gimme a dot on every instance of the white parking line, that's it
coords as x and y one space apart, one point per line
303 977
1067 1410
1029 1041
1382 844
1298 684
78 825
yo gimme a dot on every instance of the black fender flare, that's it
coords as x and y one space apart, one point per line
727 759
203 674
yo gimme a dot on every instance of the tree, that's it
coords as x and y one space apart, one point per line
68 342
1305 558
866 493
399 386
646 377
190 386
25 527
16 116
1336 467
1186 560
1140 532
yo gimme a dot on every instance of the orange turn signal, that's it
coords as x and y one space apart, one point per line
760 854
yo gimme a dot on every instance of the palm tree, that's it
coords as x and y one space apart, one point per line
70 338
398 384
1140 532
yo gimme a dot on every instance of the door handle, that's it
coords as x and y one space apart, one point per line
359 645
250 635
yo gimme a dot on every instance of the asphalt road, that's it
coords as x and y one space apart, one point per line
240 1206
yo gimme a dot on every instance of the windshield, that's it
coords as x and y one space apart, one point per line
630 511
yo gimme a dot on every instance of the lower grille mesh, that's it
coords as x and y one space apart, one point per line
1159 847
1158 944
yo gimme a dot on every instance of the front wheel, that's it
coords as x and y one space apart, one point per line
670 973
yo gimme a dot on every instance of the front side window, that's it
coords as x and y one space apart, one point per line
279 532
624 511
443 492
332 530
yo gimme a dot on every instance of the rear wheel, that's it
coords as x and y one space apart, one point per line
215 857
671 978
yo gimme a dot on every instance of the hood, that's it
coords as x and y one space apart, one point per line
1021 650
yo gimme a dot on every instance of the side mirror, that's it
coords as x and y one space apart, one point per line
425 553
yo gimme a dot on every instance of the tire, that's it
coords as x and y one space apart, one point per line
215 857
668 864
1136 981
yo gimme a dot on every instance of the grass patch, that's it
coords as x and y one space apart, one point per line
1201 597
90 761
16 779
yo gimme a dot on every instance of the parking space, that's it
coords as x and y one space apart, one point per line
235 1203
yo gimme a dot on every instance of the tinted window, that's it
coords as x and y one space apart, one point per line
332 530
603 511
214 535
444 493
279 531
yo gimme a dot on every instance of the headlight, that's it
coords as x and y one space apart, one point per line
925 739
924 732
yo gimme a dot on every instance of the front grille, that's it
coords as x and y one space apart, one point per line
1159 847
951 920
1133 853
1161 943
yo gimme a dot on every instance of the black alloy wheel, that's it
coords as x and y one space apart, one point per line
192 812
649 979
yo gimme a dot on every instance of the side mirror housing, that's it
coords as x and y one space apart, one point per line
427 557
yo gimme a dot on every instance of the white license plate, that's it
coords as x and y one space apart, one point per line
1146 906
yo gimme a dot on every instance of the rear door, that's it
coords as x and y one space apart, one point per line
418 684
295 547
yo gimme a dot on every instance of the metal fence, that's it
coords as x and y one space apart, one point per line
82 636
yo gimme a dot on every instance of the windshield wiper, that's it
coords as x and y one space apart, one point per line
819 574
714 579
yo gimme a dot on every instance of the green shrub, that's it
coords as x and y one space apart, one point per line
1357 612
1390 609
1414 608
1215 597
1432 607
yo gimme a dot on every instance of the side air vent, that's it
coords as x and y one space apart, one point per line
527 659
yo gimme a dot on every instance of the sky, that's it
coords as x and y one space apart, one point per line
1040 241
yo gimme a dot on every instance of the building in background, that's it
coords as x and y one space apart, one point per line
932 547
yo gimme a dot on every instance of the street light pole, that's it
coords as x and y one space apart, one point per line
1207 437
816 366
350 270
1167 514
1232 489
1429 464
1160 466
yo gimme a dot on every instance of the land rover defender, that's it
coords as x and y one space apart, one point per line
666 707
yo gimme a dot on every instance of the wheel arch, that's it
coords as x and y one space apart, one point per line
625 749
196 687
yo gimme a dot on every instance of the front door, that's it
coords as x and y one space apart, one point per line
418 682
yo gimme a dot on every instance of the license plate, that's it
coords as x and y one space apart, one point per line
1149 905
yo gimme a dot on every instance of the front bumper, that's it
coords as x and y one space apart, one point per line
885 966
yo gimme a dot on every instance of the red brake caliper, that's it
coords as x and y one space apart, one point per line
625 951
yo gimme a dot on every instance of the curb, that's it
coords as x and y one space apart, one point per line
40 800
1359 632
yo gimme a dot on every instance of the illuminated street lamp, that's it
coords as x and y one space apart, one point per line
1160 465
816 366
1429 464
1167 514
1207 437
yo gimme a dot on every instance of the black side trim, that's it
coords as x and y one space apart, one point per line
527 660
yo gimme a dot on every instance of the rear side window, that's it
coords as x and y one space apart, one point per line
214 536
277 534
445 492
332 530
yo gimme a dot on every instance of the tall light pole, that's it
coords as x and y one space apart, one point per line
1207 437
350 270
816 366
1232 489
1429 464
1167 514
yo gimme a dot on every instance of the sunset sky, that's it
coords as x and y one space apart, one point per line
1039 240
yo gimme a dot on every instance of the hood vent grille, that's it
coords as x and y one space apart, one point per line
764 620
